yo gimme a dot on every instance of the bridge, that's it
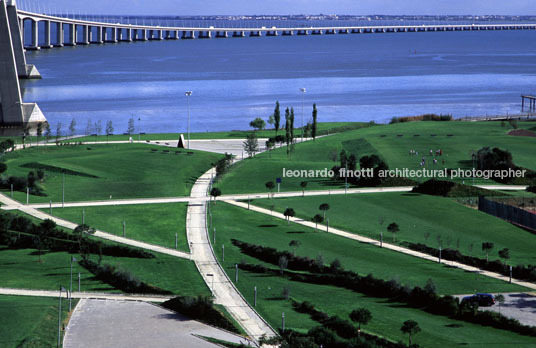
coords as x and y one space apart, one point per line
14 113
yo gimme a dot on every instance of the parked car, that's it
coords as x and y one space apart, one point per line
484 300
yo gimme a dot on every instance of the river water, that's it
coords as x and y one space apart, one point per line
359 77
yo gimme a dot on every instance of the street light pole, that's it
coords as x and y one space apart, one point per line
59 318
71 286
188 94
303 90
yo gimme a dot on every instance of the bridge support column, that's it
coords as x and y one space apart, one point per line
47 36
85 35
59 35
99 35
34 46
15 29
114 35
129 35
72 35
144 35
159 35
14 114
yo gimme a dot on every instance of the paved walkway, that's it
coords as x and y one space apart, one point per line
215 277
393 247
127 324
94 295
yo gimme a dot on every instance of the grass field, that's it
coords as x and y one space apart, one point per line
387 316
28 322
99 172
233 222
457 140
151 223
418 216
21 269
323 128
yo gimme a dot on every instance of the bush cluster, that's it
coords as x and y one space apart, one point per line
425 117
200 308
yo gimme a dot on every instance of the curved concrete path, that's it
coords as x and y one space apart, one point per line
393 247
223 289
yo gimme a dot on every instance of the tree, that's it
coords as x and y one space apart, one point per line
344 159
289 212
89 127
271 120
294 244
324 207
39 130
411 328
215 192
500 298
98 127
277 117
393 228
504 254
72 127
41 237
3 167
270 186
58 130
314 129
131 126
258 124
291 125
303 185
318 219
109 129
361 316
283 263
251 145
48 132
487 247
352 162
287 129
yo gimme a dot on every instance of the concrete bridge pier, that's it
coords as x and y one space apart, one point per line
288 33
113 35
188 34
239 34
343 31
85 35
59 35
205 35
99 35
15 116
222 34
72 35
303 32
272 33
47 43
15 29
34 43
256 33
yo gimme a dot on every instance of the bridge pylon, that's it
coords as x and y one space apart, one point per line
16 117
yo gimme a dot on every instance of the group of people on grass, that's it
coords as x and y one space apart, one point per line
432 153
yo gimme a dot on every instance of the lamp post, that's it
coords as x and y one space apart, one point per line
188 94
303 90
59 317
73 259
139 129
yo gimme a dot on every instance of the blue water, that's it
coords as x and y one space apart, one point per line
350 77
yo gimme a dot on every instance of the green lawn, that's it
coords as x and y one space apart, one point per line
103 171
418 216
234 222
151 223
323 128
251 175
30 321
21 269
387 317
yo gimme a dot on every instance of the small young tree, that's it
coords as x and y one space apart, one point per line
48 132
500 298
411 328
292 125
39 130
109 129
98 127
58 130
324 207
271 120
504 254
215 192
294 244
251 145
270 186
487 247
303 185
258 124
315 125
318 219
394 229
361 316
89 127
277 117
72 127
283 263
131 128
289 212
3 167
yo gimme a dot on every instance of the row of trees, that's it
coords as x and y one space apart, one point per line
91 128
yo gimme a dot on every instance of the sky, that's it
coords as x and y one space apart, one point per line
248 7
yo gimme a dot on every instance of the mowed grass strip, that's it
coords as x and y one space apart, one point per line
248 226
21 269
457 140
421 218
437 331
30 321
151 223
118 171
